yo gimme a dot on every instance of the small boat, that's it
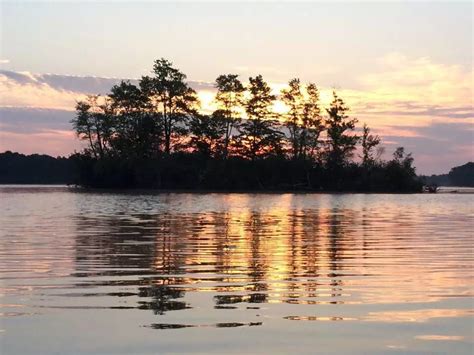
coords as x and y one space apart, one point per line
430 188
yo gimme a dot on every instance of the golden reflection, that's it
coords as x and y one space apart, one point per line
417 316
440 337
276 252
321 319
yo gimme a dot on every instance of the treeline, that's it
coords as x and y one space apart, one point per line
153 135
16 168
458 176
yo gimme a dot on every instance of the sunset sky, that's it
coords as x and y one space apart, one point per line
406 69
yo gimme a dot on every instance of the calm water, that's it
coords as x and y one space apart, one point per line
235 273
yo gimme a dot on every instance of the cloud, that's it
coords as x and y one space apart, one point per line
436 147
24 89
34 130
270 71
399 77
34 120
414 90
4 61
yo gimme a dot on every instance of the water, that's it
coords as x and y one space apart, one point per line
234 273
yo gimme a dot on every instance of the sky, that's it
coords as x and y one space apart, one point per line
404 68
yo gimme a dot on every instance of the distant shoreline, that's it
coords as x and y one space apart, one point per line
192 174
443 190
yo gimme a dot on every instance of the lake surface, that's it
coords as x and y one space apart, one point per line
88 272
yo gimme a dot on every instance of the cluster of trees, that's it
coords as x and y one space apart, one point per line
16 168
462 175
154 135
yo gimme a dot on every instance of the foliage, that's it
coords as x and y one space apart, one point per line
152 135
259 134
230 100
171 101
369 142
340 144
206 134
303 119
462 175
16 168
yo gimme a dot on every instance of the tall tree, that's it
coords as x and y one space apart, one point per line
92 123
229 99
206 133
259 134
171 99
369 142
293 99
303 118
340 144
400 172
137 132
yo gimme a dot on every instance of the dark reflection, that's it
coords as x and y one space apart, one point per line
252 298
217 325
142 247
158 262
170 326
163 299
308 318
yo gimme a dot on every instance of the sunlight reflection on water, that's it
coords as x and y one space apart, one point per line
280 272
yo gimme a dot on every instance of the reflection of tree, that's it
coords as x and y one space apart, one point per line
163 298
139 246
114 245
304 232
257 226
336 237
247 256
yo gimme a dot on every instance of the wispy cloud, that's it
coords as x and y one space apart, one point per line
25 89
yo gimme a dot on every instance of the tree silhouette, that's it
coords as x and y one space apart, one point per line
137 132
171 99
462 175
206 133
340 144
303 120
369 142
259 134
229 99
93 123
152 135
293 98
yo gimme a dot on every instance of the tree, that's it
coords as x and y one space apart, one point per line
171 99
259 134
206 132
303 119
369 142
137 132
312 123
133 131
93 123
229 99
401 174
293 98
340 144
462 175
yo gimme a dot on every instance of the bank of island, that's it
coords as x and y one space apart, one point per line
154 135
